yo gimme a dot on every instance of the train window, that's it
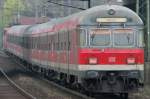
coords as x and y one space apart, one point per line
123 37
82 37
100 37
64 45
53 45
32 42
141 38
36 43
69 45
57 46
49 42
61 48
49 48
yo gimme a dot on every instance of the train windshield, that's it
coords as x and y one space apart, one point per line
100 37
123 37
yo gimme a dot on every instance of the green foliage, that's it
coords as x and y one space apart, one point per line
11 9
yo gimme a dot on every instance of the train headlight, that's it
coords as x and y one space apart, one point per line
93 61
131 60
112 59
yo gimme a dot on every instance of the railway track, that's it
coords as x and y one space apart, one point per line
77 94
10 90
56 85
72 92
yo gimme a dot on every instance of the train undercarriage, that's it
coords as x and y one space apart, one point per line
115 82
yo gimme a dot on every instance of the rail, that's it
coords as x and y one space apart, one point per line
73 92
19 89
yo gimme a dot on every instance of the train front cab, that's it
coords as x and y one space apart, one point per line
112 59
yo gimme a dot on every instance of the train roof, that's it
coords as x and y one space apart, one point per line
87 17
18 29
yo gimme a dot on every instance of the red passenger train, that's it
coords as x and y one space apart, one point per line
100 50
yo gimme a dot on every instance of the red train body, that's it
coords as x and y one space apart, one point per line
100 49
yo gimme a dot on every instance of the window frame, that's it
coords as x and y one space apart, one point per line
86 37
110 44
128 46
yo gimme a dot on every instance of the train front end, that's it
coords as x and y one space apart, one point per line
111 54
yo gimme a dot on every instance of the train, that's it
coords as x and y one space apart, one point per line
98 50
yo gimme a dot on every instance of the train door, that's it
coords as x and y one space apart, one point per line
29 41
47 50
72 49
57 51
61 51
26 49
68 54
39 48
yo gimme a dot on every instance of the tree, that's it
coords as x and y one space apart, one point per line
11 9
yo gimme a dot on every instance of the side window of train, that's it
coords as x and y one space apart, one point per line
27 41
65 40
82 37
69 41
61 46
24 42
65 45
15 39
10 38
33 42
41 42
58 41
70 36
45 42
50 42
141 38
53 42
57 46
61 40
36 42
65 34
69 45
